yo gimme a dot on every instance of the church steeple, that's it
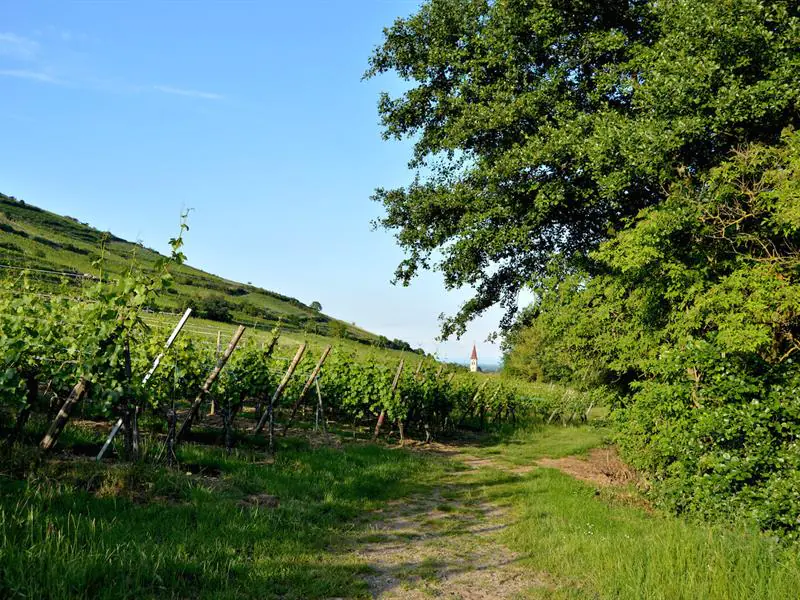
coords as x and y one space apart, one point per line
473 359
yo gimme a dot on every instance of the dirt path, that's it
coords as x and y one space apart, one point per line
445 544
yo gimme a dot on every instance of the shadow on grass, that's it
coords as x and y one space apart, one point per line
72 528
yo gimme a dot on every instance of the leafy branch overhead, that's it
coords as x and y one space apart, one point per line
541 128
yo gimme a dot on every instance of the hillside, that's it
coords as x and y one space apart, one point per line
35 238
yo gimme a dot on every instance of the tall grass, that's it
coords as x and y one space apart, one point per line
79 530
76 529
592 543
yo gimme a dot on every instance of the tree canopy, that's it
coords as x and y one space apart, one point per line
542 127
691 326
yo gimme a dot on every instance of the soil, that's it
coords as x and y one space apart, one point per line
602 467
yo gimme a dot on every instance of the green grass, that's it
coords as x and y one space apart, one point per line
523 446
76 529
206 331
71 528
36 238
599 544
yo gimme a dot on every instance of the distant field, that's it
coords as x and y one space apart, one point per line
207 332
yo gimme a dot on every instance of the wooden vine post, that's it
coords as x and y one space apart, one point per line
382 416
276 396
62 417
311 379
146 378
212 377
320 416
213 410
268 352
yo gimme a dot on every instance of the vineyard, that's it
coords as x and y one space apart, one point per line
104 353
200 459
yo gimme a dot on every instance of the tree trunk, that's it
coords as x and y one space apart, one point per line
172 421
212 377
32 388
279 392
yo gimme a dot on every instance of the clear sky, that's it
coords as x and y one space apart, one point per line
253 113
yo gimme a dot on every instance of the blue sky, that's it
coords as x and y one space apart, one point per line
251 113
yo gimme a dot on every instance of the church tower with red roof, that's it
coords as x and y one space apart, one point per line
473 360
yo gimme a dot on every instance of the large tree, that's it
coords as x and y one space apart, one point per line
541 126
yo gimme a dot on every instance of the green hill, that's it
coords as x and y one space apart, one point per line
34 238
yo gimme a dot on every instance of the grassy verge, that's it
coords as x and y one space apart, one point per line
525 445
592 543
75 529
70 528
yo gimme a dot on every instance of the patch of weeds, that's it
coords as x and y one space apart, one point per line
75 524
427 569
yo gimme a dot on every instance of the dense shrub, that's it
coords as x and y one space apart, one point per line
693 326
215 308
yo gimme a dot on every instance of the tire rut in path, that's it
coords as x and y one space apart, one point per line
444 544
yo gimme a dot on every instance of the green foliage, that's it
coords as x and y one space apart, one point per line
540 128
214 308
694 328
623 159
337 329
249 374
53 339
429 401
38 239
105 340
78 528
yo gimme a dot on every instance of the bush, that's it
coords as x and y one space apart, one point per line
693 323
11 246
215 308
337 329
11 229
